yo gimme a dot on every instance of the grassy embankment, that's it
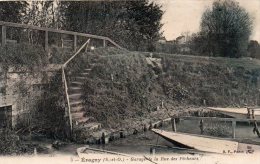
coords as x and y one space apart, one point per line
123 87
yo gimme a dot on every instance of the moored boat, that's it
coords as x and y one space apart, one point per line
83 151
206 143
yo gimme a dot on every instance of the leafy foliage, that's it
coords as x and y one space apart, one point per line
46 116
20 55
113 94
133 24
44 14
10 144
226 28
12 11
254 49
199 45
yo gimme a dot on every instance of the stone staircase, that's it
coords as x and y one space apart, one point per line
81 122
75 90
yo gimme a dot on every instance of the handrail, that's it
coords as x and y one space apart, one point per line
17 25
65 81
65 64
114 43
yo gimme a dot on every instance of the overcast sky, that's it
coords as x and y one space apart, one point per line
185 15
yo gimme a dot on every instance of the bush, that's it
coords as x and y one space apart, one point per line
10 144
46 116
58 55
23 55
118 88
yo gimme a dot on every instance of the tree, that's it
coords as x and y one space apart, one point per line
198 45
133 24
254 49
12 11
43 14
144 23
227 28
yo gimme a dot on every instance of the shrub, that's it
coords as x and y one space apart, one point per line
23 55
118 89
10 144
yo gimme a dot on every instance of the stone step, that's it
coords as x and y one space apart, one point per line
84 74
79 78
88 69
75 103
75 96
82 120
77 115
92 126
75 109
75 90
92 64
76 83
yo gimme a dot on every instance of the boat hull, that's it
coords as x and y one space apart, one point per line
206 144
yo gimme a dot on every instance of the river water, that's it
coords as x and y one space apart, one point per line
142 142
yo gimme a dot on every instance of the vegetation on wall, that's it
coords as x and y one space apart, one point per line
23 55
10 144
50 111
45 105
47 110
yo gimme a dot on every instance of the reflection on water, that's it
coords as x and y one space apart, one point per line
141 143
243 129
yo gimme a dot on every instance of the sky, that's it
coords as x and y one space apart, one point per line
185 15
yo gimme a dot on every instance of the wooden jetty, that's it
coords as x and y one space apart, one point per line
241 113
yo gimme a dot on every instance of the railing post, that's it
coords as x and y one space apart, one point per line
248 113
253 114
75 43
62 43
104 43
46 43
201 126
173 124
255 130
3 35
234 128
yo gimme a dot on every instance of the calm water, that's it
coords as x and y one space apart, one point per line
141 143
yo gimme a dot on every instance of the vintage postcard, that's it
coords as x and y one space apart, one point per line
130 81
